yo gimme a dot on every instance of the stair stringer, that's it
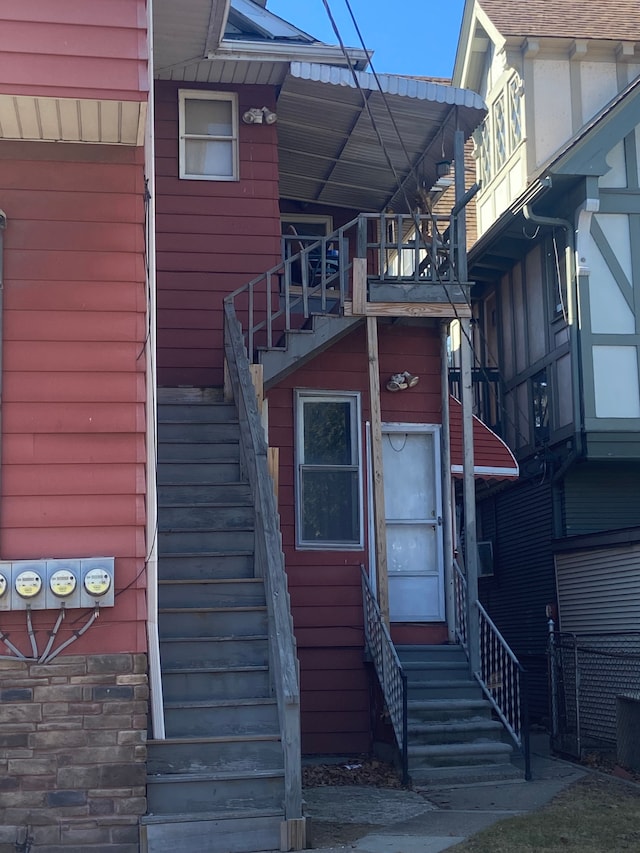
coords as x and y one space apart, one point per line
301 345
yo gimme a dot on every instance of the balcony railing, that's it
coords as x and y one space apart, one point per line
406 259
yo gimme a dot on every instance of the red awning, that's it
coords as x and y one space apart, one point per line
492 458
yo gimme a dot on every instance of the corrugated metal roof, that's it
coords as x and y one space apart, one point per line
330 152
388 84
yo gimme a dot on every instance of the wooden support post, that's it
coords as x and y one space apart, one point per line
228 390
382 582
257 374
273 463
359 287
469 497
293 834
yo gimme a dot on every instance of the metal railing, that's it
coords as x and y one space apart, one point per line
391 676
587 673
269 561
502 677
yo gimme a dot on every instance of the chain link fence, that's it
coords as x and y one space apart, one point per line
587 673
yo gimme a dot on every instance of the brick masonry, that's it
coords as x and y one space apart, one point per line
73 753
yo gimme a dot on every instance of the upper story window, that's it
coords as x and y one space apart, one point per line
208 127
501 132
329 490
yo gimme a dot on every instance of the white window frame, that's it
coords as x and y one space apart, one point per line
302 396
501 133
202 95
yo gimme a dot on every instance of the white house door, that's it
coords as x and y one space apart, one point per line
413 510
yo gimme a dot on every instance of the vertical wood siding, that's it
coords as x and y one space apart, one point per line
74 49
325 585
73 401
519 523
212 237
601 496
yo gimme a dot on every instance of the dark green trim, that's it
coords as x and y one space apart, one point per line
631 159
588 541
619 201
609 445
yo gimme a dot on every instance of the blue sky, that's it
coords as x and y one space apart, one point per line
407 37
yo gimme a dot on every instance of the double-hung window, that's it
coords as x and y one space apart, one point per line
328 482
208 129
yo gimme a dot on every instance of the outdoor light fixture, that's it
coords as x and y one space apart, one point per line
402 381
443 168
259 115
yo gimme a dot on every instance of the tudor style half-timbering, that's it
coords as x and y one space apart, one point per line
557 268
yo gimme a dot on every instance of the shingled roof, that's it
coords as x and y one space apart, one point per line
617 20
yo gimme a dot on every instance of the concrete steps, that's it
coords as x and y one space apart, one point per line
452 735
217 782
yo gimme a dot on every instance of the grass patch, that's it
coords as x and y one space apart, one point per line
594 815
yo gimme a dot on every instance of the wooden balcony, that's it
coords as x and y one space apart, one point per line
407 265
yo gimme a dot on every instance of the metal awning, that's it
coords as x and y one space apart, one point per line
330 153
492 458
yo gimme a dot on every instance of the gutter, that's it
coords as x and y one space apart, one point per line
574 333
325 54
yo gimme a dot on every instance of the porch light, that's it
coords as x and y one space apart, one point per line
259 115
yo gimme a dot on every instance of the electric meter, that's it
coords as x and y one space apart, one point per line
28 584
97 582
3 585
62 583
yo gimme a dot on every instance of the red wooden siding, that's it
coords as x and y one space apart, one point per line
212 237
325 585
73 398
74 49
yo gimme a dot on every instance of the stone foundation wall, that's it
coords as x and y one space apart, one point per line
73 753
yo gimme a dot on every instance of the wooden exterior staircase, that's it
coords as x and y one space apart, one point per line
219 782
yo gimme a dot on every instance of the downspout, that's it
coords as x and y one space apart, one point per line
153 638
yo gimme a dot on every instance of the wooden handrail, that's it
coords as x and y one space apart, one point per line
269 559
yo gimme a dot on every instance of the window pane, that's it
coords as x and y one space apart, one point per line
208 158
327 433
209 118
330 506
540 397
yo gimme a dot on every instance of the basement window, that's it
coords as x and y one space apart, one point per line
208 129
328 482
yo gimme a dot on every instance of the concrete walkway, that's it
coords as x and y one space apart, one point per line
432 819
